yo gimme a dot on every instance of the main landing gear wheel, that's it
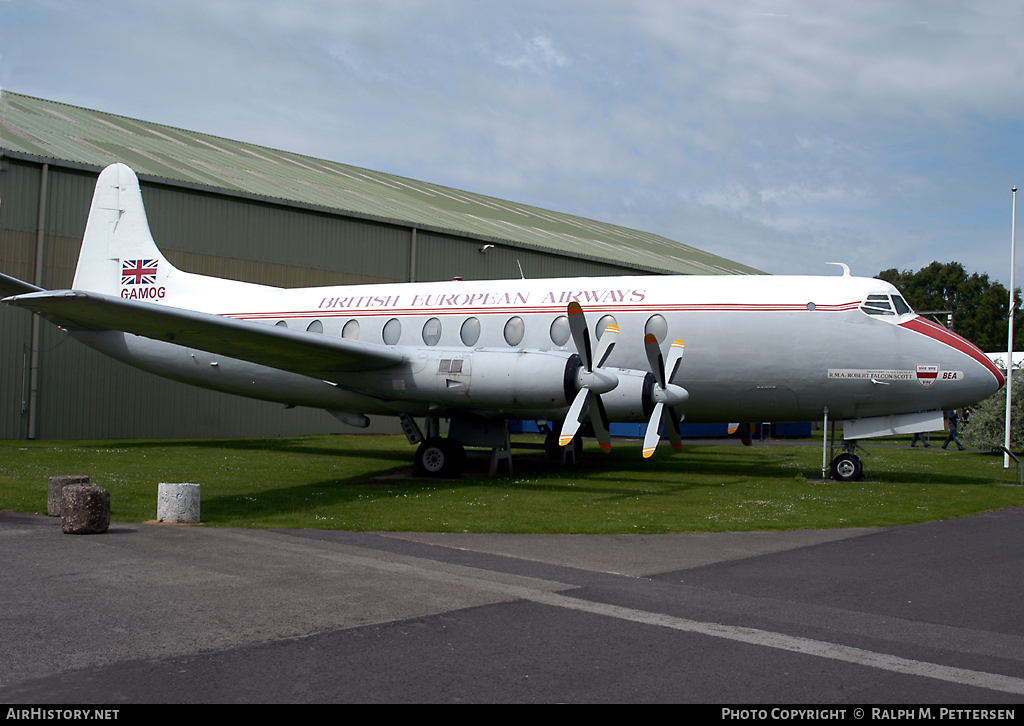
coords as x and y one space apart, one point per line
440 457
847 467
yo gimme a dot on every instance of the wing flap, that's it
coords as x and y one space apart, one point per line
310 354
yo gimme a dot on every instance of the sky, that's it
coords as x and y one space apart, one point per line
783 134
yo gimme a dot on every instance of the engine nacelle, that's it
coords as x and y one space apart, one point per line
504 379
524 379
632 399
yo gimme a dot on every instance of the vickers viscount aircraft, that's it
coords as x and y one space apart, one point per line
757 348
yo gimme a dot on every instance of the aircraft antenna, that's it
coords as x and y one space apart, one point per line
846 267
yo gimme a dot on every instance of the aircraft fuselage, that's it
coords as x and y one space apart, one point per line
776 348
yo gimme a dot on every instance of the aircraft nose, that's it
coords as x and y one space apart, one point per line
982 378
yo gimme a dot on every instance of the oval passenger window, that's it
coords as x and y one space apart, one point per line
658 327
560 332
603 324
432 331
514 330
470 332
392 331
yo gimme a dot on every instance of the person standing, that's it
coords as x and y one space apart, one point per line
952 417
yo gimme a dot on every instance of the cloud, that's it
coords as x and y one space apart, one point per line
538 55
771 131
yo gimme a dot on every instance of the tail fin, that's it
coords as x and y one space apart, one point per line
118 249
120 258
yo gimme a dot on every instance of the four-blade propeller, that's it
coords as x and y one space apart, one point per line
591 382
665 394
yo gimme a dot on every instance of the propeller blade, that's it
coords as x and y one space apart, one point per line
654 358
675 357
599 419
573 419
742 431
590 379
652 437
672 425
606 344
580 335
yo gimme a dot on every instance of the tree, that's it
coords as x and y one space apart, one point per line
987 425
981 309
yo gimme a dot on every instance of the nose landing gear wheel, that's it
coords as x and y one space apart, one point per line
847 467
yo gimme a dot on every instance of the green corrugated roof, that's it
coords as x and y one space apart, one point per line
57 131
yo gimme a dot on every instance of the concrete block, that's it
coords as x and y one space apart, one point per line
85 509
54 497
178 503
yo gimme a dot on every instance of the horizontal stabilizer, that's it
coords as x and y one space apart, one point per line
301 352
13 286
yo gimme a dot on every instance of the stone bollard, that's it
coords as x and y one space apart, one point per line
54 497
178 503
85 509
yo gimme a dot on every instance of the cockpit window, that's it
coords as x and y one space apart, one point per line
901 305
884 305
877 305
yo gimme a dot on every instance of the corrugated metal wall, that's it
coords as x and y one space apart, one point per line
83 394
197 229
14 347
442 257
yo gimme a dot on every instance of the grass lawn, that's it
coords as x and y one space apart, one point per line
363 483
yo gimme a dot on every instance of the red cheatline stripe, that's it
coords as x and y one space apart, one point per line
941 334
528 310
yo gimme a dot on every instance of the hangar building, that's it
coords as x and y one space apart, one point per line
228 209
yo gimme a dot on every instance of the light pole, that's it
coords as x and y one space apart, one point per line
1009 345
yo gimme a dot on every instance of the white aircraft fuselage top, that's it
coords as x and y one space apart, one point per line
757 348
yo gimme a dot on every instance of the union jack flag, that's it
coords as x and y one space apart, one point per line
138 272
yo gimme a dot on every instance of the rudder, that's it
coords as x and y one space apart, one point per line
118 251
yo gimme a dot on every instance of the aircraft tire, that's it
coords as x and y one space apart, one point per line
847 467
440 457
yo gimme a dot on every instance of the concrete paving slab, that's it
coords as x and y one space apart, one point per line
916 614
142 591
635 555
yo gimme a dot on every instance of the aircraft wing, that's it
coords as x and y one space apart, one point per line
13 286
270 345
